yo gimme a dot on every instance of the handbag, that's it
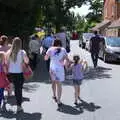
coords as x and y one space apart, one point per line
3 80
27 71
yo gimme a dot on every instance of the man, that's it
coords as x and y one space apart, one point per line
34 46
94 48
62 37
46 44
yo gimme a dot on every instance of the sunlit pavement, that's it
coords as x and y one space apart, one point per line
99 92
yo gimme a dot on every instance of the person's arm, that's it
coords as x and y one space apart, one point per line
47 56
25 57
85 65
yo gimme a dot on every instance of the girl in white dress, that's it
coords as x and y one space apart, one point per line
57 56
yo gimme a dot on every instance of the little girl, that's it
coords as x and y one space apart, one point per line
78 68
3 79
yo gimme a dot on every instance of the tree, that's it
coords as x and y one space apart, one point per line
19 17
96 11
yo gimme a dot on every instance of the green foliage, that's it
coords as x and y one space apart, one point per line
84 24
19 17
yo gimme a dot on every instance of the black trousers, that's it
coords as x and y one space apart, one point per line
48 64
33 61
17 79
94 56
1 95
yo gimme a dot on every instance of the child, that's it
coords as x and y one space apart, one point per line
3 79
78 68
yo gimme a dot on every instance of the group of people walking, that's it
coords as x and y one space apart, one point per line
12 59
11 70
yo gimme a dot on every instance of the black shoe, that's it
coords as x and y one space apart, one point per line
59 104
55 99
76 103
79 98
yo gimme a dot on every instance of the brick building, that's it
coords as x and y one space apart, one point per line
110 26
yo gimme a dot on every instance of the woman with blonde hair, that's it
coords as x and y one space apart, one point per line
15 57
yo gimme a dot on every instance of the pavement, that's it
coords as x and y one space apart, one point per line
99 93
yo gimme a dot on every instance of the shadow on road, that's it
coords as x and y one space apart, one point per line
40 74
97 73
79 109
20 115
91 107
12 101
30 87
67 109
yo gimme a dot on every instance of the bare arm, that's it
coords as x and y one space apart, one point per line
46 57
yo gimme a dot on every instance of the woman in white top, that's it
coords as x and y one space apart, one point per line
15 57
57 56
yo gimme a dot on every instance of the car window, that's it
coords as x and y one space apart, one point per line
113 41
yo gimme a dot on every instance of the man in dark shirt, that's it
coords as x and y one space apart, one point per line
94 48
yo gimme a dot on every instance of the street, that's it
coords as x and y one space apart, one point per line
99 92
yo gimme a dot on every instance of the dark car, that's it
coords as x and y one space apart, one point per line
110 49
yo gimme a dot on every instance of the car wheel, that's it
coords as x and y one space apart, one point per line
105 58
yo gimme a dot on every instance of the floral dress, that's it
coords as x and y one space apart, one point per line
57 63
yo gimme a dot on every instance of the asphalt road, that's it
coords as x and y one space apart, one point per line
99 92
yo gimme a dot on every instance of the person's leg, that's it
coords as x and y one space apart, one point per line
34 61
59 91
76 94
54 88
18 84
96 59
1 95
93 56
10 90
78 91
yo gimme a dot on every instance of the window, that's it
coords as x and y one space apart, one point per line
105 12
113 10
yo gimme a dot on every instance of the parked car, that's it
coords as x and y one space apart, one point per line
110 49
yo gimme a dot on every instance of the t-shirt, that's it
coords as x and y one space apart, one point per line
77 72
48 42
95 43
16 67
62 37
56 59
34 46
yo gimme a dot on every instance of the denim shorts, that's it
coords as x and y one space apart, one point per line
77 82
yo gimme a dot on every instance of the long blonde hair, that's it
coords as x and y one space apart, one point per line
16 46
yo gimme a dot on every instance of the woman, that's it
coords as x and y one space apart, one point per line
16 56
4 43
4 47
57 56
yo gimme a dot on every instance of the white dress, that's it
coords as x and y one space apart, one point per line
57 63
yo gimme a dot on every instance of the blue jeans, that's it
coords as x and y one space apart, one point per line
1 94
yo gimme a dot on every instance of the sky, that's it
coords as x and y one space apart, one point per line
82 10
